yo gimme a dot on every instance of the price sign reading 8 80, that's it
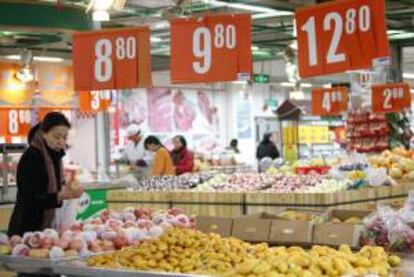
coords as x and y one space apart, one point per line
15 121
342 35
114 59
218 49
331 101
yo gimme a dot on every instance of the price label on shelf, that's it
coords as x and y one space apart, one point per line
211 48
15 121
112 59
390 97
95 101
340 35
330 101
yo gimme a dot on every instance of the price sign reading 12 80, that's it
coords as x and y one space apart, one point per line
340 35
210 49
111 59
330 101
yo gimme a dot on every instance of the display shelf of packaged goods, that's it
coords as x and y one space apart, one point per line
80 269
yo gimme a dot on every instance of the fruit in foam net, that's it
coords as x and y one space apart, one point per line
189 251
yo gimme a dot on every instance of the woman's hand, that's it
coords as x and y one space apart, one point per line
69 192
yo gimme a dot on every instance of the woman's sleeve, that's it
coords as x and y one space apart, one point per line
186 164
33 186
158 164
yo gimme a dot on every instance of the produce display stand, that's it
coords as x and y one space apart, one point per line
242 203
73 268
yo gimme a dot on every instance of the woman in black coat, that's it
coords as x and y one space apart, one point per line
267 148
40 182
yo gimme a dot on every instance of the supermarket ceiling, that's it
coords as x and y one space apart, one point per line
45 25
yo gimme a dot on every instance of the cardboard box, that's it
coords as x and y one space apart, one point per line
218 225
254 227
335 234
291 231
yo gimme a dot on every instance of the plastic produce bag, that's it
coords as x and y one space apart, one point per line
377 176
400 235
376 227
65 217
265 164
407 212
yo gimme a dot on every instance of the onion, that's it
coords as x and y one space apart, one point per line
51 233
15 239
20 250
56 253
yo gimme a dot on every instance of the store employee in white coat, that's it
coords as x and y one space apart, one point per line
135 154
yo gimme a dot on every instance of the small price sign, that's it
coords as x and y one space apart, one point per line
15 121
211 48
95 101
390 97
330 101
340 35
112 59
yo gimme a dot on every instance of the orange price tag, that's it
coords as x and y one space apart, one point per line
112 59
390 97
95 101
340 35
15 121
330 101
211 48
67 111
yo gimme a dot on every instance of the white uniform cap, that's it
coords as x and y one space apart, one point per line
132 130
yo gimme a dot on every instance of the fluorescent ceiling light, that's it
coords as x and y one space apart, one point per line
37 58
306 85
240 6
255 48
155 39
412 90
240 82
100 15
394 32
161 25
402 36
162 50
327 86
408 75
275 13
289 85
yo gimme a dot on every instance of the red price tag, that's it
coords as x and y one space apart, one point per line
330 101
341 35
112 59
390 97
211 49
95 101
15 121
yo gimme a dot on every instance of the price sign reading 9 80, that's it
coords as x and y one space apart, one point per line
114 59
340 35
210 49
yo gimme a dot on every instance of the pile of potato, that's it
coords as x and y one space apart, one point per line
190 251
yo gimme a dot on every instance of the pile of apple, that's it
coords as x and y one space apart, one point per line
399 163
111 231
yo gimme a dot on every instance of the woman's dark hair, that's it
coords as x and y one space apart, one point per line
152 140
54 119
234 143
32 132
182 141
266 138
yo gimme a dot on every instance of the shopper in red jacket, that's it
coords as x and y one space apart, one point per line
182 158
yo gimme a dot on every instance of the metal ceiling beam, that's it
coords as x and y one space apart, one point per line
32 15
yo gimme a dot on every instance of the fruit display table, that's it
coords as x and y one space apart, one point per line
241 203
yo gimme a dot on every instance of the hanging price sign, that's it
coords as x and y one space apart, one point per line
340 35
15 121
95 101
67 111
390 97
211 48
330 101
112 59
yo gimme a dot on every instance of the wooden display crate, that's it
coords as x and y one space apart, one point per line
358 199
209 203
119 199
